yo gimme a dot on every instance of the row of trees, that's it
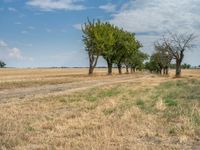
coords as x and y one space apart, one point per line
115 45
160 60
121 48
183 66
170 47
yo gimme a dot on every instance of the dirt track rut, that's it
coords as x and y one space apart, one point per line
46 90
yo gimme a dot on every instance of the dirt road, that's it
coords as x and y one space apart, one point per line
47 90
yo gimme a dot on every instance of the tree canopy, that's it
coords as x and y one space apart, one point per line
2 64
115 45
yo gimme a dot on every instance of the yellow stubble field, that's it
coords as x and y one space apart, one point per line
67 109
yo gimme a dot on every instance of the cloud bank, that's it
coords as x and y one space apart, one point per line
159 16
8 52
49 5
108 7
150 19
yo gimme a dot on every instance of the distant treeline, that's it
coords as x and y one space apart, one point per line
183 66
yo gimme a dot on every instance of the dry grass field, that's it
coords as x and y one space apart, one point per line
50 109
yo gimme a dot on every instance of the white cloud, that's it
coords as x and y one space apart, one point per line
11 9
22 16
3 44
15 53
31 27
22 44
49 5
78 26
12 53
48 30
18 23
108 7
24 32
150 19
159 15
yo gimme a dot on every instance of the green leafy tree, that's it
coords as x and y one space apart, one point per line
108 38
185 66
121 48
152 66
127 48
2 64
132 51
99 40
137 59
115 45
93 41
155 64
162 57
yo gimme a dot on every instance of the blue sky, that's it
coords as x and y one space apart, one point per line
44 33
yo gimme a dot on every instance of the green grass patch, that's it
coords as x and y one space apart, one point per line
181 98
109 111
140 104
91 95
97 94
195 118
171 102
30 129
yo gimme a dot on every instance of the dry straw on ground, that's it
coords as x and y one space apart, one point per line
121 115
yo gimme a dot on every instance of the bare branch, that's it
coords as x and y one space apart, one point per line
176 44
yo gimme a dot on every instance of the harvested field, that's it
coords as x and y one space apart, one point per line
66 109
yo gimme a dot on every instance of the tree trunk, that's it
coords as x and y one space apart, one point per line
178 68
133 69
119 66
93 62
91 69
167 71
109 67
160 71
178 64
164 71
127 71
